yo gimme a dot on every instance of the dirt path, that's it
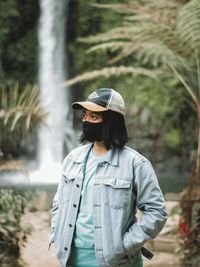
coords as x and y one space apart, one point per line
36 253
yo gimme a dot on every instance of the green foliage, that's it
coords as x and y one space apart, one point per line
8 14
18 40
87 19
20 112
173 138
155 35
12 233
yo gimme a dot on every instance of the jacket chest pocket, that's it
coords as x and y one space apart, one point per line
116 193
67 189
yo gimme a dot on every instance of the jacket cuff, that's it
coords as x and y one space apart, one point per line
128 245
51 240
131 246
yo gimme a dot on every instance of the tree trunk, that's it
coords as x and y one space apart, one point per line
198 149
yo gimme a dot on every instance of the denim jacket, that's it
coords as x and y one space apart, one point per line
123 184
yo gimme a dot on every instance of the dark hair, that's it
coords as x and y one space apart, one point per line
114 130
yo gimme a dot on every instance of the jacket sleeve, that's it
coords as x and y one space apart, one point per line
54 213
151 202
55 208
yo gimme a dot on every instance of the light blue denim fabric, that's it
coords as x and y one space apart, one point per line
125 182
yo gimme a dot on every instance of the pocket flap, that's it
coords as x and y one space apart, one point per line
115 183
68 176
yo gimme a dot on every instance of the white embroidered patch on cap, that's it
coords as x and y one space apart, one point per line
93 95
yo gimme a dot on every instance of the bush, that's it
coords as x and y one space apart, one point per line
12 234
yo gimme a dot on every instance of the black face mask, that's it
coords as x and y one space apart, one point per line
93 131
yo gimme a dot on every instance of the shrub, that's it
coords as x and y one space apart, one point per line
12 234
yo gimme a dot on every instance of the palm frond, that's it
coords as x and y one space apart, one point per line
112 71
186 85
160 42
189 25
158 33
157 53
20 112
106 45
161 11
21 107
123 8
152 32
119 33
139 7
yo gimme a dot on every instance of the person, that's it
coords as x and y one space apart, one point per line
103 184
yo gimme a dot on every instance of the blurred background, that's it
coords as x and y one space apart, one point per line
55 52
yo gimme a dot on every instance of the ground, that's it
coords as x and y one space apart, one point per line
36 253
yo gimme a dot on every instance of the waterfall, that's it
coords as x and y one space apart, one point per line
54 96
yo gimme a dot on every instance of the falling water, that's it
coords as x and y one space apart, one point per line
54 97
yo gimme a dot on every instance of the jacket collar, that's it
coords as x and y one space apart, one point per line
114 157
83 151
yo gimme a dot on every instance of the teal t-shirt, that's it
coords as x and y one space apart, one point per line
83 253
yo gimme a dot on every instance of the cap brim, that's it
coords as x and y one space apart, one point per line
89 106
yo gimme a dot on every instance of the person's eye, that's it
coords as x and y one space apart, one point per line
94 117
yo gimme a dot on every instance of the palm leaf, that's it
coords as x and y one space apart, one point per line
160 33
20 112
189 25
21 107
153 25
107 72
104 46
137 7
